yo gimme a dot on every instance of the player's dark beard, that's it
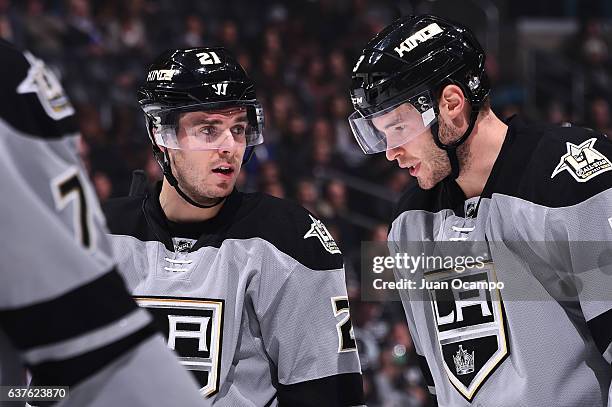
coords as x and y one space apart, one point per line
439 165
449 134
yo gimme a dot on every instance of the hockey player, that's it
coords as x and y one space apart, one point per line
249 289
529 195
65 313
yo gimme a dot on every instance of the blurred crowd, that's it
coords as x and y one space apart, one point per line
300 54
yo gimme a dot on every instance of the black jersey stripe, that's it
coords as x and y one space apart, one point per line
70 372
601 329
425 370
332 391
422 361
90 306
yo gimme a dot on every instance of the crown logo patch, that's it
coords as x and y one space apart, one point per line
464 362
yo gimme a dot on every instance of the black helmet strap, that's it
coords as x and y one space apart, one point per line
451 149
248 156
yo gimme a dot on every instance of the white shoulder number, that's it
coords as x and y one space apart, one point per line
346 336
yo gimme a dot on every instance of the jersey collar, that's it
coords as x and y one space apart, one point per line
207 232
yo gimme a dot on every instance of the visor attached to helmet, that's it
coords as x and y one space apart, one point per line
208 129
395 125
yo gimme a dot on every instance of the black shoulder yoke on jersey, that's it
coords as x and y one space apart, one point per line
243 216
23 109
530 166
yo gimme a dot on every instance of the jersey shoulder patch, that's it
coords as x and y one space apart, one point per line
584 161
567 166
291 229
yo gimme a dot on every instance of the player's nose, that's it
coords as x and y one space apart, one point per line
393 153
229 144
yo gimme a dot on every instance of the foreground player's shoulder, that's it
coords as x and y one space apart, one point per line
15 66
33 102
568 165
293 230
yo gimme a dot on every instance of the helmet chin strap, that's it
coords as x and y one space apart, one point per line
249 155
164 160
451 149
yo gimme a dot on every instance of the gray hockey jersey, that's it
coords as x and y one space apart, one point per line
65 314
253 301
543 228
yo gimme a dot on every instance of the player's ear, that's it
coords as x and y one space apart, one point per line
452 102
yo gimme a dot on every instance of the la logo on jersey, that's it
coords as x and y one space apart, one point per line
193 329
42 81
583 162
318 230
469 326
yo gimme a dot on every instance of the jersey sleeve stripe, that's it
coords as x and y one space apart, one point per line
73 314
601 329
70 372
426 372
91 340
338 390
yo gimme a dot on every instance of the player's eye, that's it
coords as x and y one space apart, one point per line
399 128
207 131
238 130
394 131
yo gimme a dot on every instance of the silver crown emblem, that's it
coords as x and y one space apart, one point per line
464 362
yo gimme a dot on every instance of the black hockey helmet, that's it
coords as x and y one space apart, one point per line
406 63
196 79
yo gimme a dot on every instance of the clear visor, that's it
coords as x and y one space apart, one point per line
395 125
200 127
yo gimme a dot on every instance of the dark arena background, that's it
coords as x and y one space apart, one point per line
548 60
